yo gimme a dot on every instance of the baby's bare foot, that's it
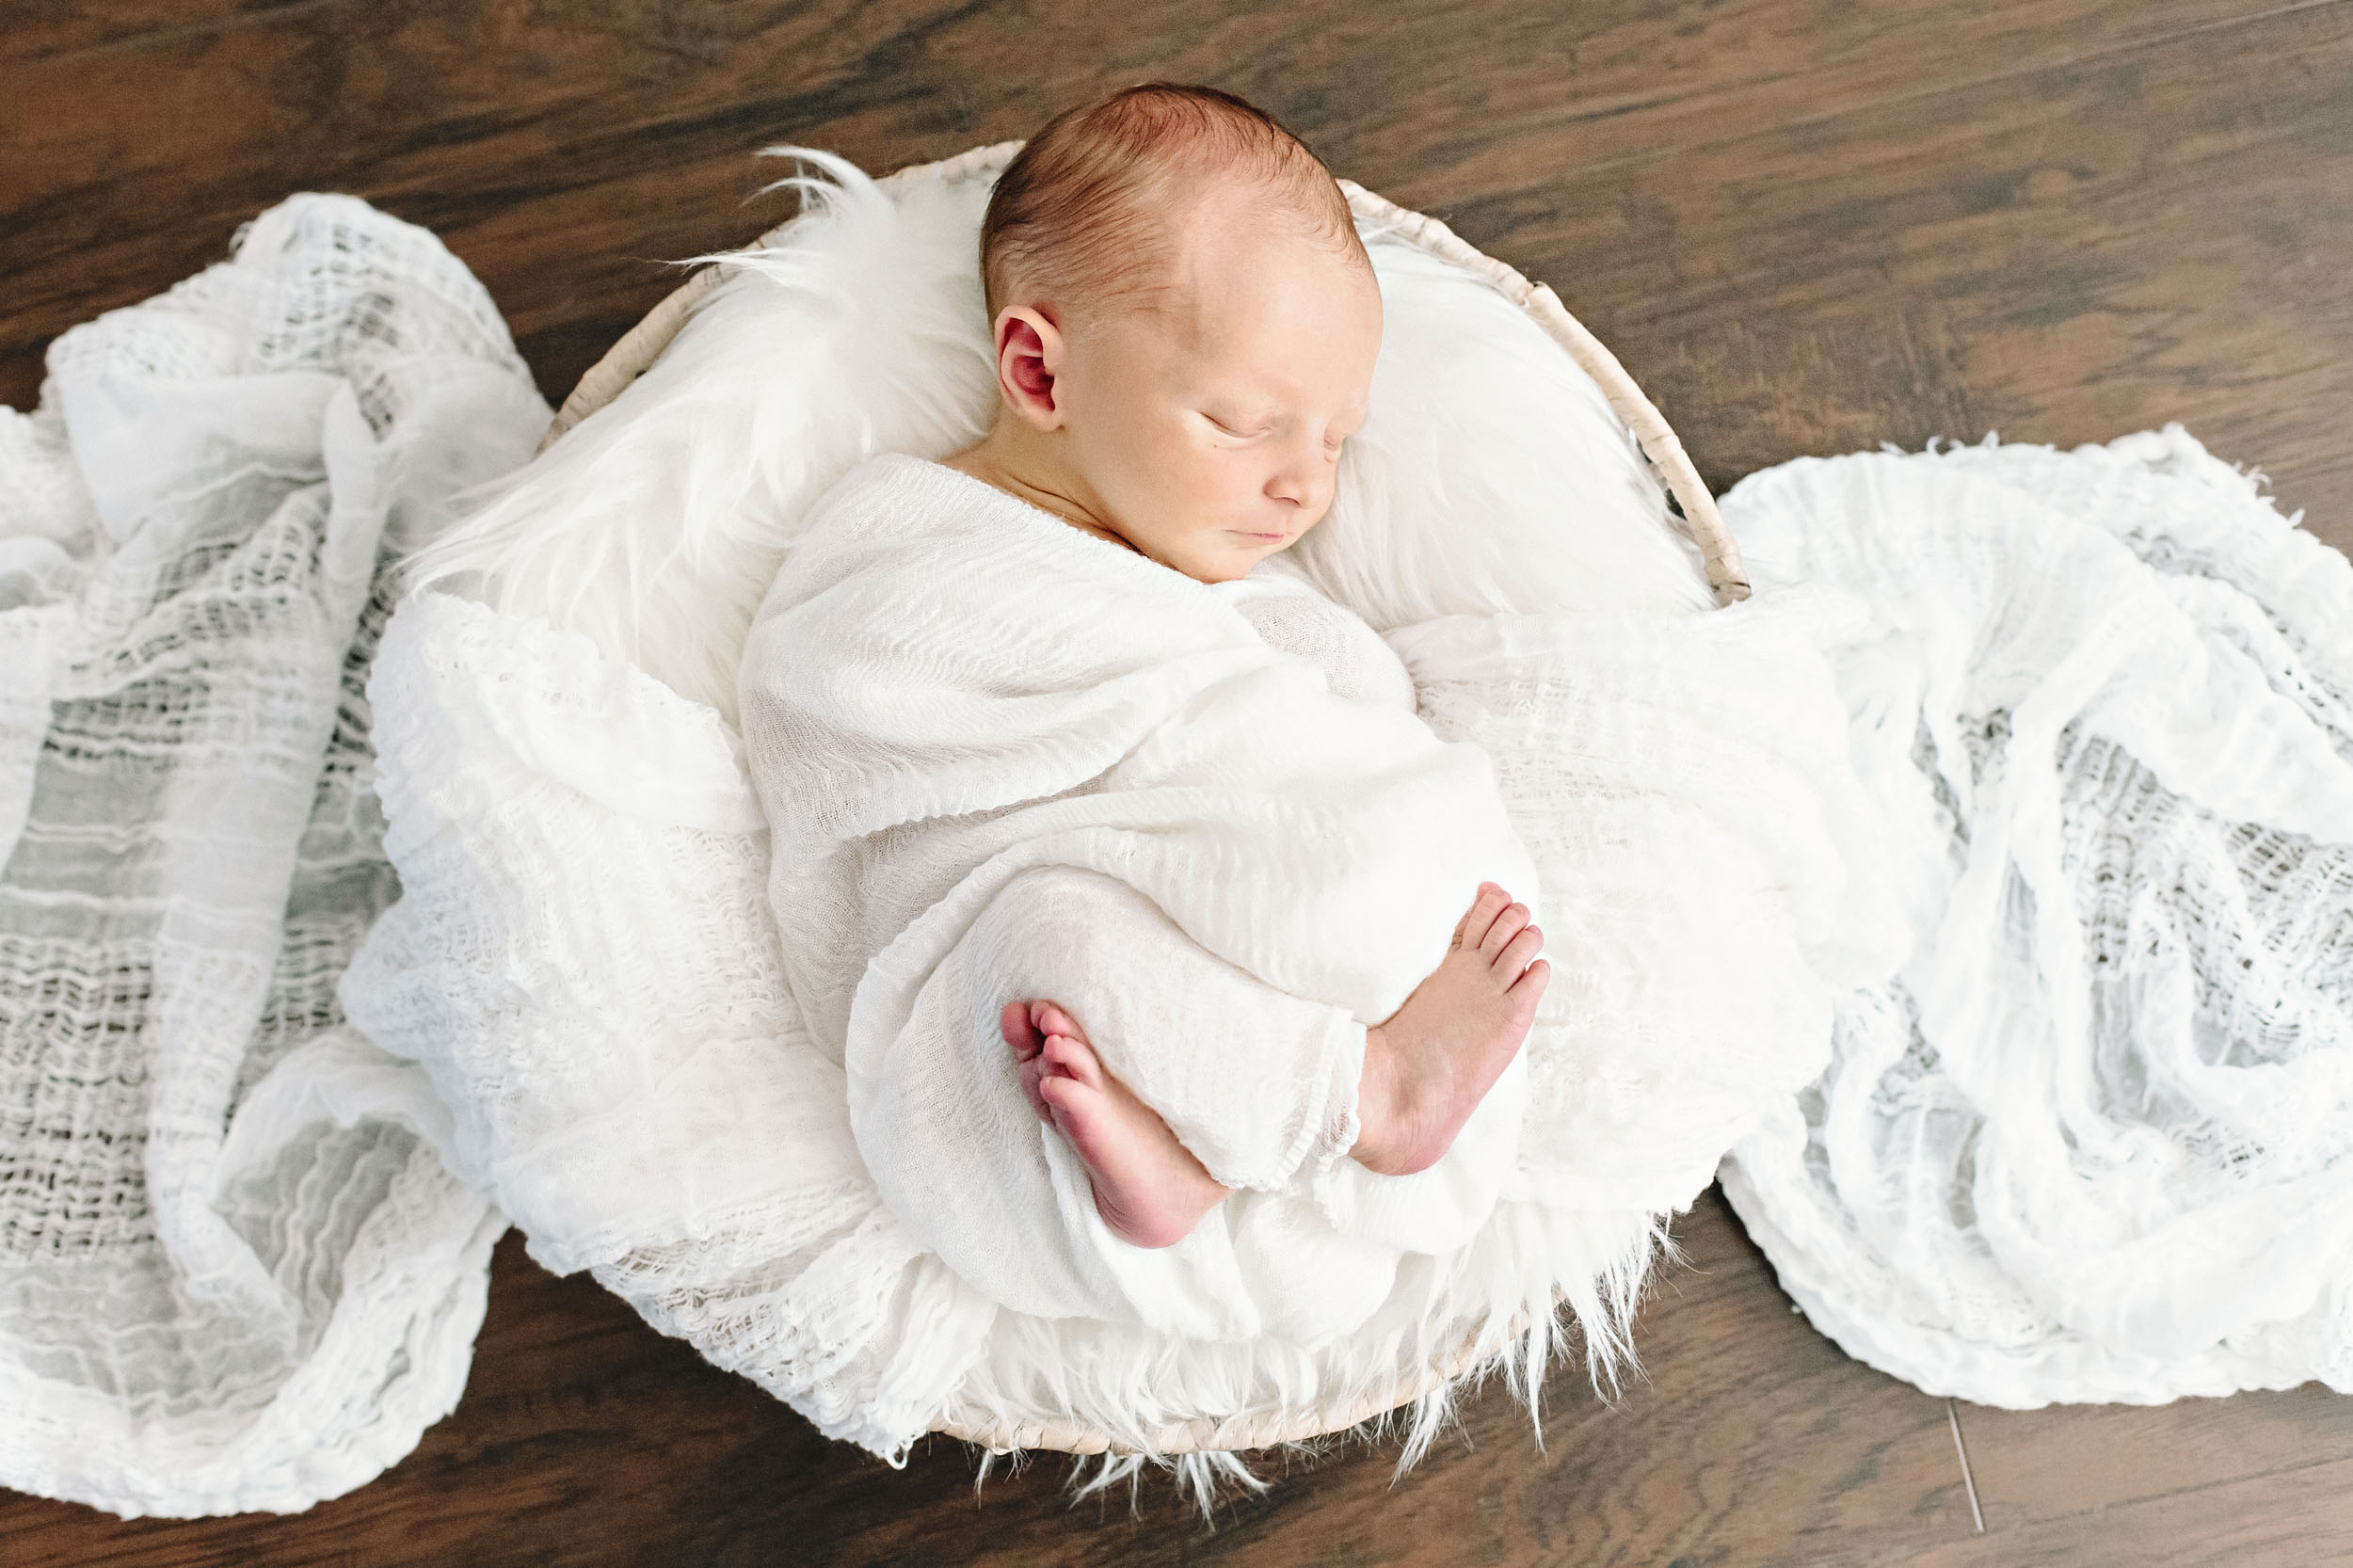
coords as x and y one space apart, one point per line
1429 1064
1148 1188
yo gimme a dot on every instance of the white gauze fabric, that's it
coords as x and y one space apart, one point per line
1001 758
2095 1142
234 1273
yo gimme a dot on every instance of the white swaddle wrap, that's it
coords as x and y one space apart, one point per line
1002 758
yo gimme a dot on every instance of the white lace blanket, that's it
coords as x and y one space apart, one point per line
194 1321
2095 1142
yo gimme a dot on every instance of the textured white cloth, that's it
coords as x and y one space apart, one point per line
233 1274
2095 1142
2057 741
1002 758
583 960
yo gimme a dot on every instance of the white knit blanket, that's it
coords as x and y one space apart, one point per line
2016 800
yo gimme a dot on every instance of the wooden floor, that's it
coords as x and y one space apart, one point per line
1805 225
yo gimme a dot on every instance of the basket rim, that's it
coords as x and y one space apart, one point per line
636 351
1244 1430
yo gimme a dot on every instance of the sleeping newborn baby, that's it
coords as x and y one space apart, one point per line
1049 722
1178 366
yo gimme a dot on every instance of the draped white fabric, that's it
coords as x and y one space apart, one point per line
2094 1141
583 961
222 1287
2018 800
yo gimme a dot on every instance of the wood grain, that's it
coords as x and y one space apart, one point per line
2036 1467
1804 225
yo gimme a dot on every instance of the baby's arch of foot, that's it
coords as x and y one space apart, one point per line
1429 1065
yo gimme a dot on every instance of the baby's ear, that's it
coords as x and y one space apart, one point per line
1029 364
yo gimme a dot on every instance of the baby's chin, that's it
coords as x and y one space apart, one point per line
1232 563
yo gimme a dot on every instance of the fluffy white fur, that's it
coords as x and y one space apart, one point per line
654 526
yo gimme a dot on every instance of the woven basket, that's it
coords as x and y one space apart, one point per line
643 343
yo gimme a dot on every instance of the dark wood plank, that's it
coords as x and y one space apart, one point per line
2297 1517
2034 1466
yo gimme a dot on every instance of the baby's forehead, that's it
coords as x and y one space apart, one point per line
1268 323
1220 244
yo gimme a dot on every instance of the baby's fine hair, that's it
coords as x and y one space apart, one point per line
1076 216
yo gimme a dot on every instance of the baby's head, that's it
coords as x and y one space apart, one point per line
1185 323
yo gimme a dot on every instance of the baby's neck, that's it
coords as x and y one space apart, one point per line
1008 460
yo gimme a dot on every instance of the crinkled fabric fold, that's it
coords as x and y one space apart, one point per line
235 1273
582 962
2094 1141
1004 760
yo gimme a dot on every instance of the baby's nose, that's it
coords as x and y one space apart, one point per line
1301 486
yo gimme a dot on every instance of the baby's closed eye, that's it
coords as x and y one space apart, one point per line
1245 426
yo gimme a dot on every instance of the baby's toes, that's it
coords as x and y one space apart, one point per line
1019 1032
1481 913
1529 988
1082 1114
1073 1059
1053 1018
1518 954
1505 929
